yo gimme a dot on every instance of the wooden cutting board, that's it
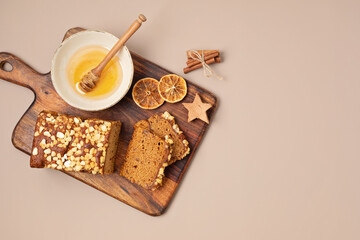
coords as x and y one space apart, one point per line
46 98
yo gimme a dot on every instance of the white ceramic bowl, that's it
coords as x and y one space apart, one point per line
68 48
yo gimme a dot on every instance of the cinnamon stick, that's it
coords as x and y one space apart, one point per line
199 65
206 52
193 62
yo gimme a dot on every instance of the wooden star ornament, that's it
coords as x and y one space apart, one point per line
197 109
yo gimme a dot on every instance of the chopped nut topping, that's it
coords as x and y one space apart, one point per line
35 151
78 168
97 136
176 128
168 140
67 164
60 135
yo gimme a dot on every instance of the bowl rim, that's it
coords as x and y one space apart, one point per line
71 103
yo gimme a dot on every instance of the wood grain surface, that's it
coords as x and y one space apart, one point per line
46 98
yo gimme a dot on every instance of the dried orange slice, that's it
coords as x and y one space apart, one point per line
172 88
146 95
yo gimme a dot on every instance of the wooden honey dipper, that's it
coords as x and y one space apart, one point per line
88 82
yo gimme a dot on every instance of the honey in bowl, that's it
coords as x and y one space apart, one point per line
86 59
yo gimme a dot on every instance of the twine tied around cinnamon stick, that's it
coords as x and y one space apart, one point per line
208 72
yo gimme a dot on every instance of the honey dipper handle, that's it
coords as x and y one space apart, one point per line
132 29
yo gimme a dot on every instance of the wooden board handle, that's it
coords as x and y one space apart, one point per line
19 73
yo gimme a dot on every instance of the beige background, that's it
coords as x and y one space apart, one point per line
281 157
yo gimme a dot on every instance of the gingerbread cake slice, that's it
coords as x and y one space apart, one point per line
68 143
147 157
164 124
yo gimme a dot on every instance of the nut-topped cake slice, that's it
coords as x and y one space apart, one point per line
68 143
164 124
